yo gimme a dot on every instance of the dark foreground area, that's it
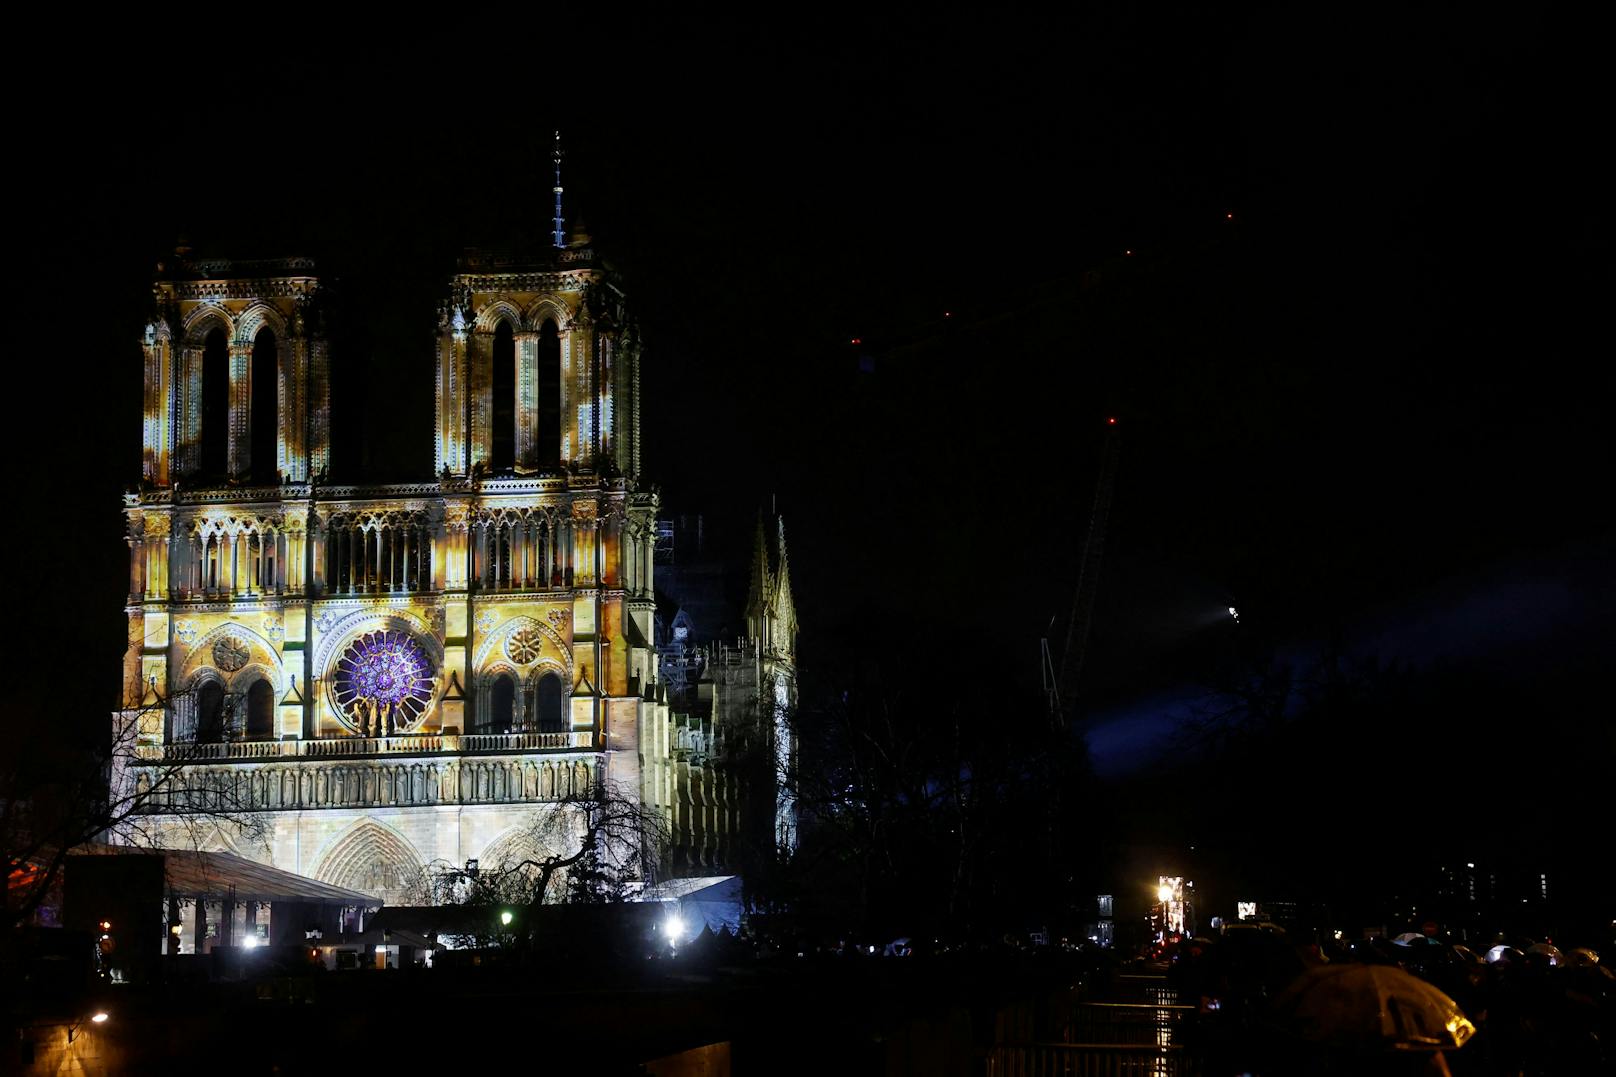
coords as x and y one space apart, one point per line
1243 1003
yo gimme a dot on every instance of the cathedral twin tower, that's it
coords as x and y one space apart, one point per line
397 674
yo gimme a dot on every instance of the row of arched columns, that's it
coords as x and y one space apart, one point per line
403 552
526 552
363 558
227 564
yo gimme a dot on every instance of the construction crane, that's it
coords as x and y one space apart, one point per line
1062 687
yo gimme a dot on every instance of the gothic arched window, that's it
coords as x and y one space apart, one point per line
501 705
261 711
215 404
549 362
552 704
265 408
504 392
210 713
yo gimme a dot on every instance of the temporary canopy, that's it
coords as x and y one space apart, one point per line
710 901
191 874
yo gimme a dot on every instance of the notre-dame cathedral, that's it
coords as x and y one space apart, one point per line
390 676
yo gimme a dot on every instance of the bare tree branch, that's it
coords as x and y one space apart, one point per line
128 790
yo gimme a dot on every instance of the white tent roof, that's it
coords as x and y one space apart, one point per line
692 889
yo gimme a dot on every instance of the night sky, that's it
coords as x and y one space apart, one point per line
1356 351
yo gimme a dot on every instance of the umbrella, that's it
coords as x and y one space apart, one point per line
1370 1008
1412 938
1552 952
1503 953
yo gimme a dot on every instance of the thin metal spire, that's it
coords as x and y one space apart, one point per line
560 240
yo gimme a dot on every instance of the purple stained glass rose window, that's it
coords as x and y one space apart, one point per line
384 671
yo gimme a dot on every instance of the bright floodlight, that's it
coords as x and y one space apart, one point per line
100 1017
675 927
1164 893
250 941
505 918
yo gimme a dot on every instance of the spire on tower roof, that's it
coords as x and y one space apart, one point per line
559 229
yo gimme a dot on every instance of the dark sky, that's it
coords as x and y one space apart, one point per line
1376 393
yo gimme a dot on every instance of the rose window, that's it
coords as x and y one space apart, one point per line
230 654
524 646
384 671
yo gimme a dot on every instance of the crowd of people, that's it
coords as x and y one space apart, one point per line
1519 1007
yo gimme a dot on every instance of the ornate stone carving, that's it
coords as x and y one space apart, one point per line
231 653
486 620
524 646
185 631
559 618
273 629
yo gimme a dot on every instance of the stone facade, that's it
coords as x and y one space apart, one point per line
395 675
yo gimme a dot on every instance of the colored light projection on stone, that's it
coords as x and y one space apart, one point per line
383 682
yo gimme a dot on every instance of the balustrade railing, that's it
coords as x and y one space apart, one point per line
1087 1060
354 747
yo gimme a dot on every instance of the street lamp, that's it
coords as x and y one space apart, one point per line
99 1018
505 917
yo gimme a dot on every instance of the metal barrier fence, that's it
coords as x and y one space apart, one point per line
1088 1060
1148 989
1127 1023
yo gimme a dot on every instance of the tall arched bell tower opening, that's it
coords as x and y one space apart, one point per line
237 380
537 368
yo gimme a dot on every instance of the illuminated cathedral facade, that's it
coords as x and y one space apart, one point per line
392 676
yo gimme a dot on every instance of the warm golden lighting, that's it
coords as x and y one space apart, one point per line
484 637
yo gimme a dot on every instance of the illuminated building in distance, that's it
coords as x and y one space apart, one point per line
396 675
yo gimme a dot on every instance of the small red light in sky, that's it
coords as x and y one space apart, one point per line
1111 421
855 340
1127 252
1228 216
948 314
